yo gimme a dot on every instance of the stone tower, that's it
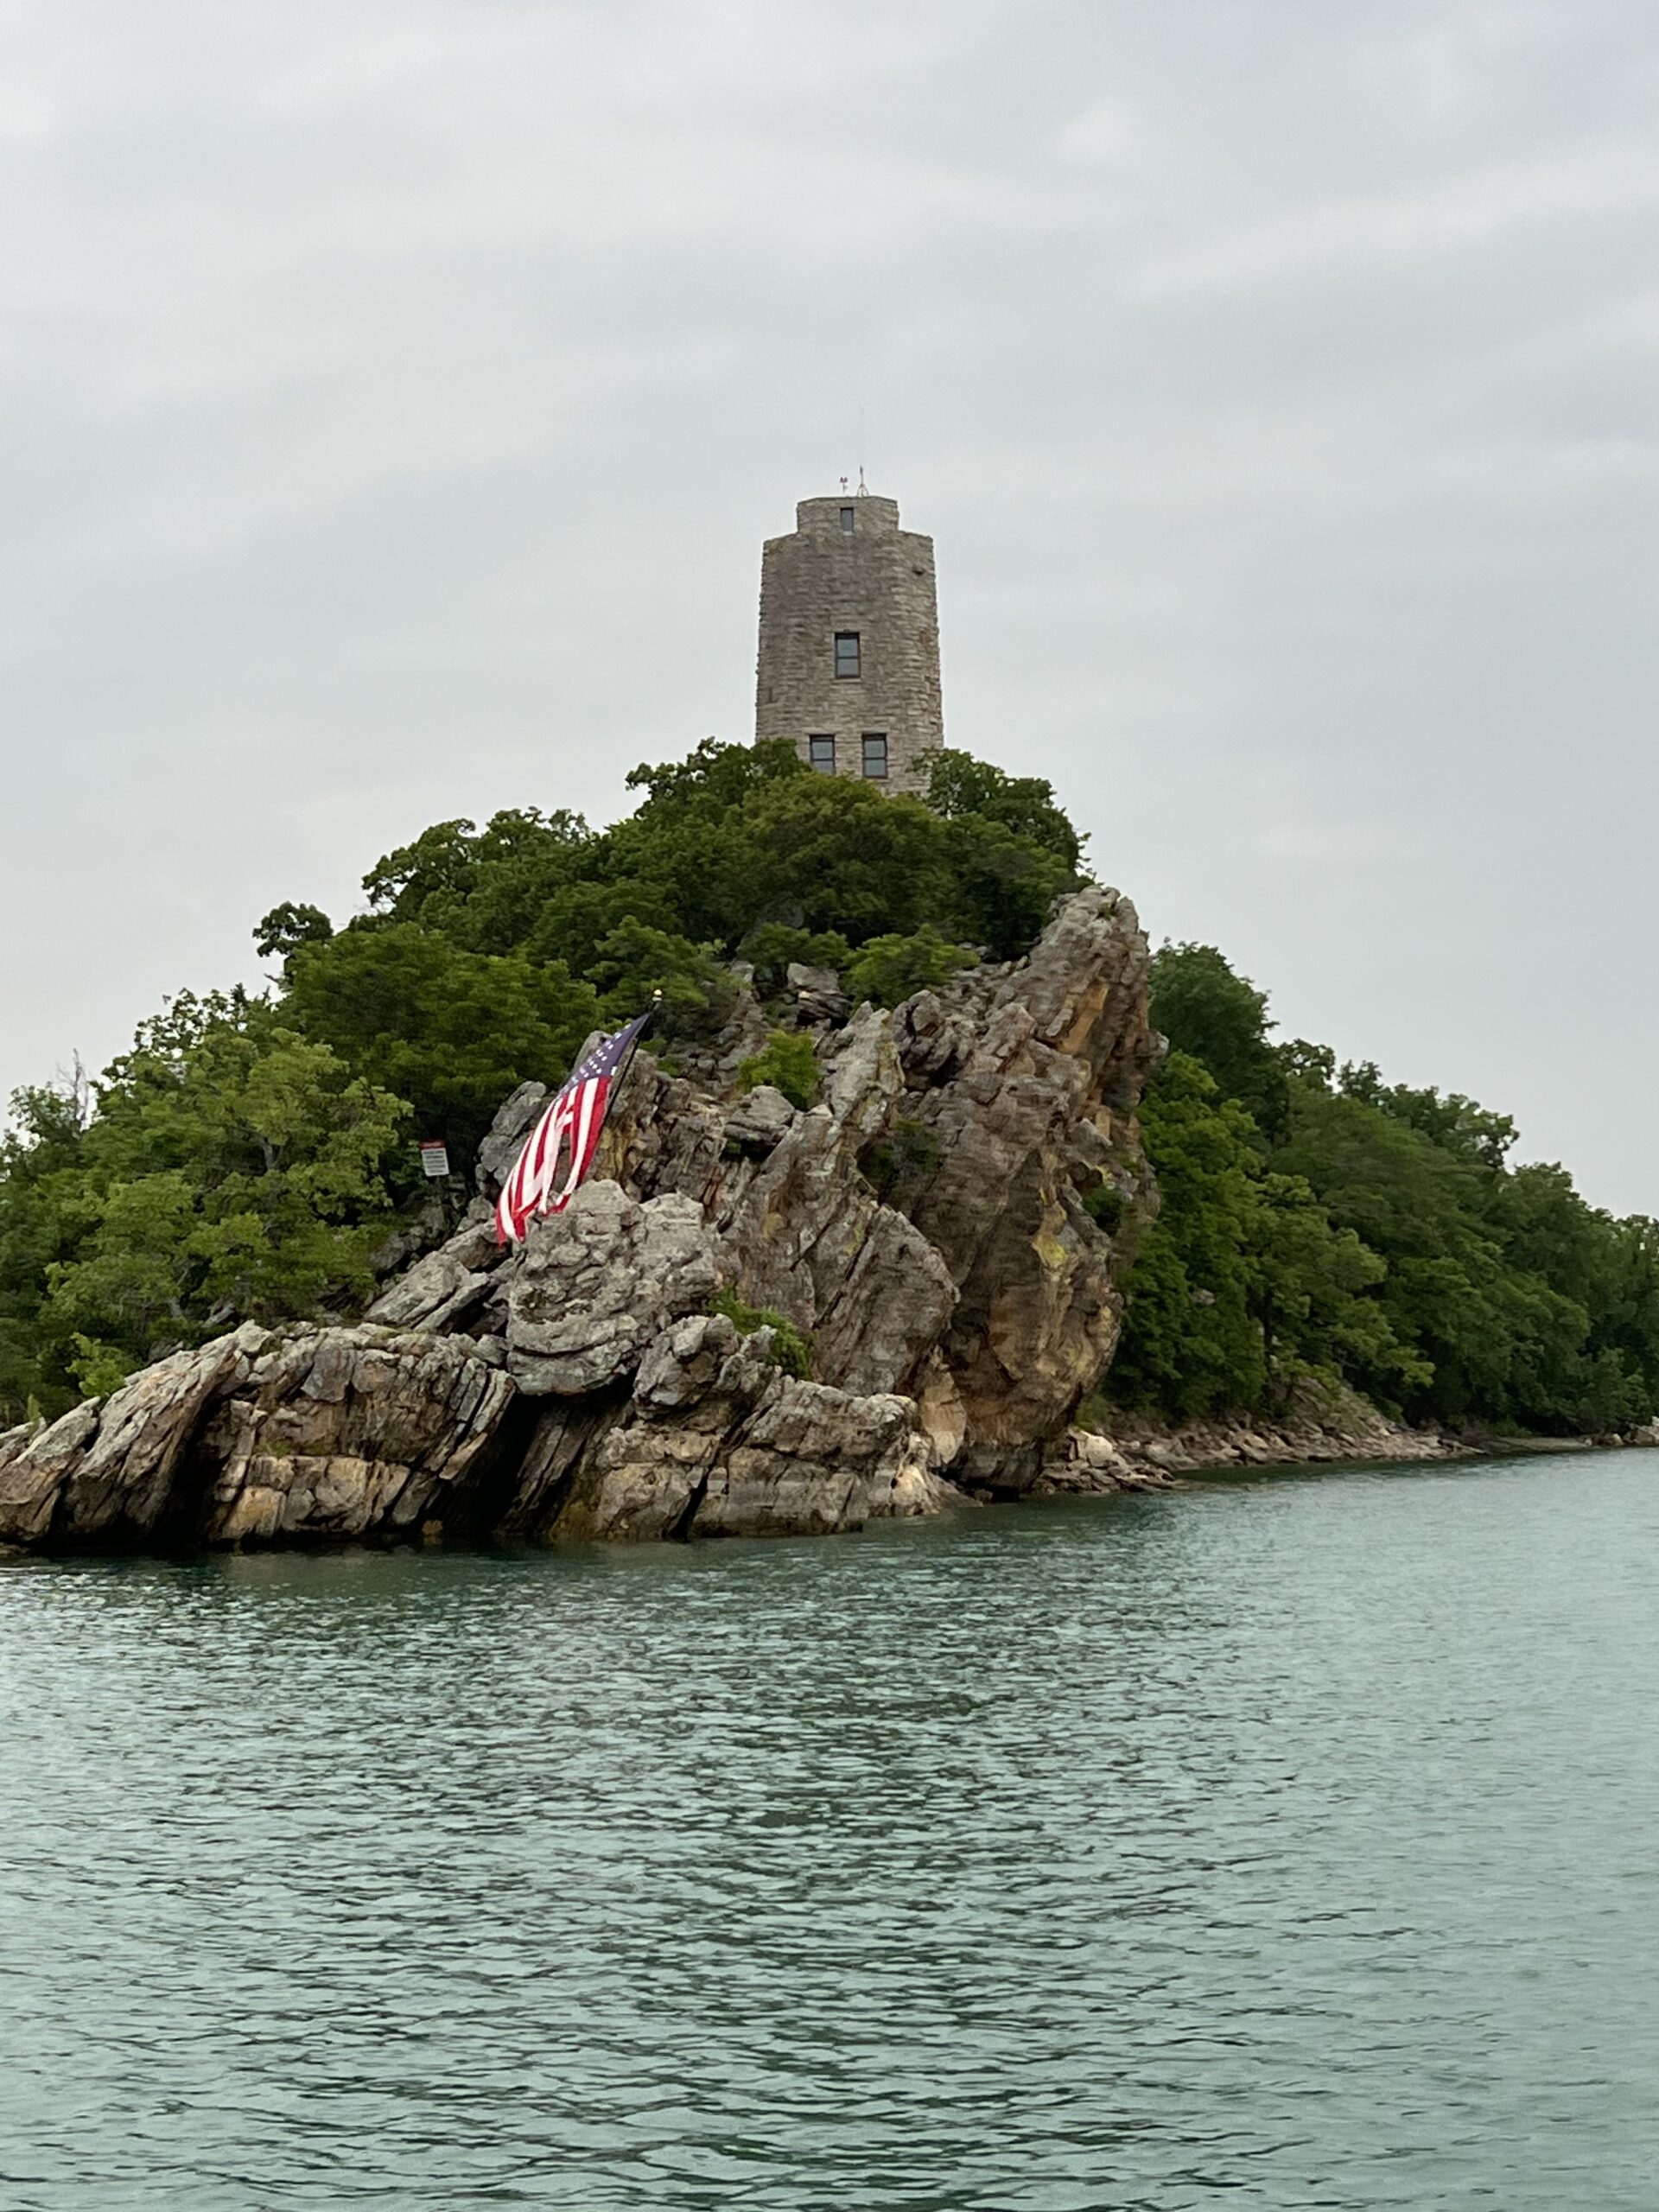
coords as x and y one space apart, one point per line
848 666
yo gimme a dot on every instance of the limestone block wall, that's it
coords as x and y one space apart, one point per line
874 580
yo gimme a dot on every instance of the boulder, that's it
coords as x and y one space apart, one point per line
810 1461
596 1282
108 1471
931 1039
817 992
1080 1463
34 1462
447 1286
720 1441
760 1119
513 1121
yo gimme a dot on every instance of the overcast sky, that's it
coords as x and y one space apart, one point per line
396 393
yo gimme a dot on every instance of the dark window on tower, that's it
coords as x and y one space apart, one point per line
822 752
847 652
847 520
876 754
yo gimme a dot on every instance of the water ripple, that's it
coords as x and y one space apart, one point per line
1279 1844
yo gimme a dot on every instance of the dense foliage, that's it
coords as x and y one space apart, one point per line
1317 1215
245 1158
232 1166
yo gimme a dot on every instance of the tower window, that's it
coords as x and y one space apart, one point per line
822 753
875 754
846 519
847 652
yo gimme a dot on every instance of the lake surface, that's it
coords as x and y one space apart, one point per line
1285 1843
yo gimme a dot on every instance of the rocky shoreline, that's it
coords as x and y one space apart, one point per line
947 1224
217 1448
1140 1454
943 1234
1324 1425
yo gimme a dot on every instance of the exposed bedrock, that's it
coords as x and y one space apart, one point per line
265 1436
941 1234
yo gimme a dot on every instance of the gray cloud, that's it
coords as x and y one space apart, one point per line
396 396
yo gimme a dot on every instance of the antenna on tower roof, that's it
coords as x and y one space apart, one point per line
863 488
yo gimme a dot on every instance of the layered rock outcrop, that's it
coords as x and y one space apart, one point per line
946 1226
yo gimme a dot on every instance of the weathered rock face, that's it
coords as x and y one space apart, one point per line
340 1433
108 1471
953 1219
598 1281
1034 1116
948 1223
810 1239
509 1129
305 1434
445 1287
720 1441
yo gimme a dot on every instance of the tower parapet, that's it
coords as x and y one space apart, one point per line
848 665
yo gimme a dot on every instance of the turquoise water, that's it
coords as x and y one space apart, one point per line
1282 1844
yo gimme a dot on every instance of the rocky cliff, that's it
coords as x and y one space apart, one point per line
947 1226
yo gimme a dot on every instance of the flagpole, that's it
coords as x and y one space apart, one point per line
649 1016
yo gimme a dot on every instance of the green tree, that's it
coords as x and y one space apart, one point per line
1457 1124
484 889
635 962
788 1064
287 927
1315 1296
1243 1280
829 853
691 838
576 918
232 1168
888 969
1504 1344
1206 1008
1191 1344
42 1223
958 786
995 887
451 1032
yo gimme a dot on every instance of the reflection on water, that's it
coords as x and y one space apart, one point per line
1282 1844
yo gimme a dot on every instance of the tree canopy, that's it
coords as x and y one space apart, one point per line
244 1157
1370 1230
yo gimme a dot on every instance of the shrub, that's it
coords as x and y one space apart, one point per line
888 969
791 1349
772 946
788 1063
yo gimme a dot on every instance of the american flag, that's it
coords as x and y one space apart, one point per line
569 1128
